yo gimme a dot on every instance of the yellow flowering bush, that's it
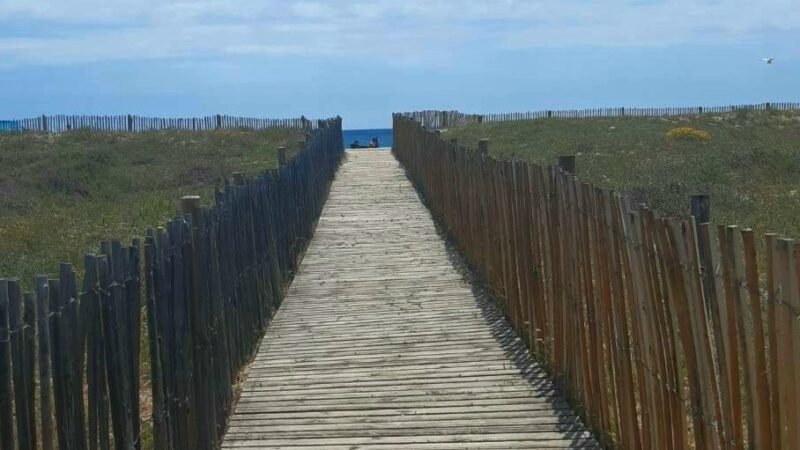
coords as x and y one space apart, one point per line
688 133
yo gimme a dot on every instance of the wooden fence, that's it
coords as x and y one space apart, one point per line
208 281
449 119
662 342
131 123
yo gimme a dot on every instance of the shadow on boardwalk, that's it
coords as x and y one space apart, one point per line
386 340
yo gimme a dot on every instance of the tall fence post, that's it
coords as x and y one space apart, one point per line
130 122
218 121
701 211
567 163
44 123
190 204
200 408
483 147
238 178
701 208
6 408
281 156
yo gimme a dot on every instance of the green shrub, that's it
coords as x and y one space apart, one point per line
688 133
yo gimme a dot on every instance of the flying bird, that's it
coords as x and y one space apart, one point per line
768 60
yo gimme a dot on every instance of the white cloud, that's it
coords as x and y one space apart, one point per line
422 30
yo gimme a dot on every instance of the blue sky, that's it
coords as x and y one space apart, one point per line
365 59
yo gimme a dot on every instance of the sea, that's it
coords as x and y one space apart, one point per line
9 125
384 136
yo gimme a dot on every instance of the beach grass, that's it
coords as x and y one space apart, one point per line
748 161
61 194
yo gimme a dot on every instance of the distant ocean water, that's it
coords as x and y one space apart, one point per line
363 136
9 125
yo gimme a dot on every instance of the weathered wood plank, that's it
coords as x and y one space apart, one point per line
382 342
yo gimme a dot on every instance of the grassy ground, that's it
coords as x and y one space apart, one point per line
60 195
750 164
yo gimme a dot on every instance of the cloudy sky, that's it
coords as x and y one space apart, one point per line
365 59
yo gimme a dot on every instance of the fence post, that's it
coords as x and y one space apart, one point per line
6 407
549 113
218 119
701 210
567 163
44 123
281 156
130 122
480 118
444 120
190 204
483 147
197 316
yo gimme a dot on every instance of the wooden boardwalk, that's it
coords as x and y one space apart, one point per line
383 343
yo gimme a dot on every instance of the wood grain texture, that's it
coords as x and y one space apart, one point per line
383 342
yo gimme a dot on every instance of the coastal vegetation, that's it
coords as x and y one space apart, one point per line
748 161
61 194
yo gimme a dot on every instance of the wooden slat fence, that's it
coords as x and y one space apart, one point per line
208 282
662 343
448 119
132 123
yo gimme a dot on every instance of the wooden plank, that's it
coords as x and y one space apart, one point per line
29 364
756 364
729 337
22 409
6 396
771 255
717 307
382 340
45 387
785 367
